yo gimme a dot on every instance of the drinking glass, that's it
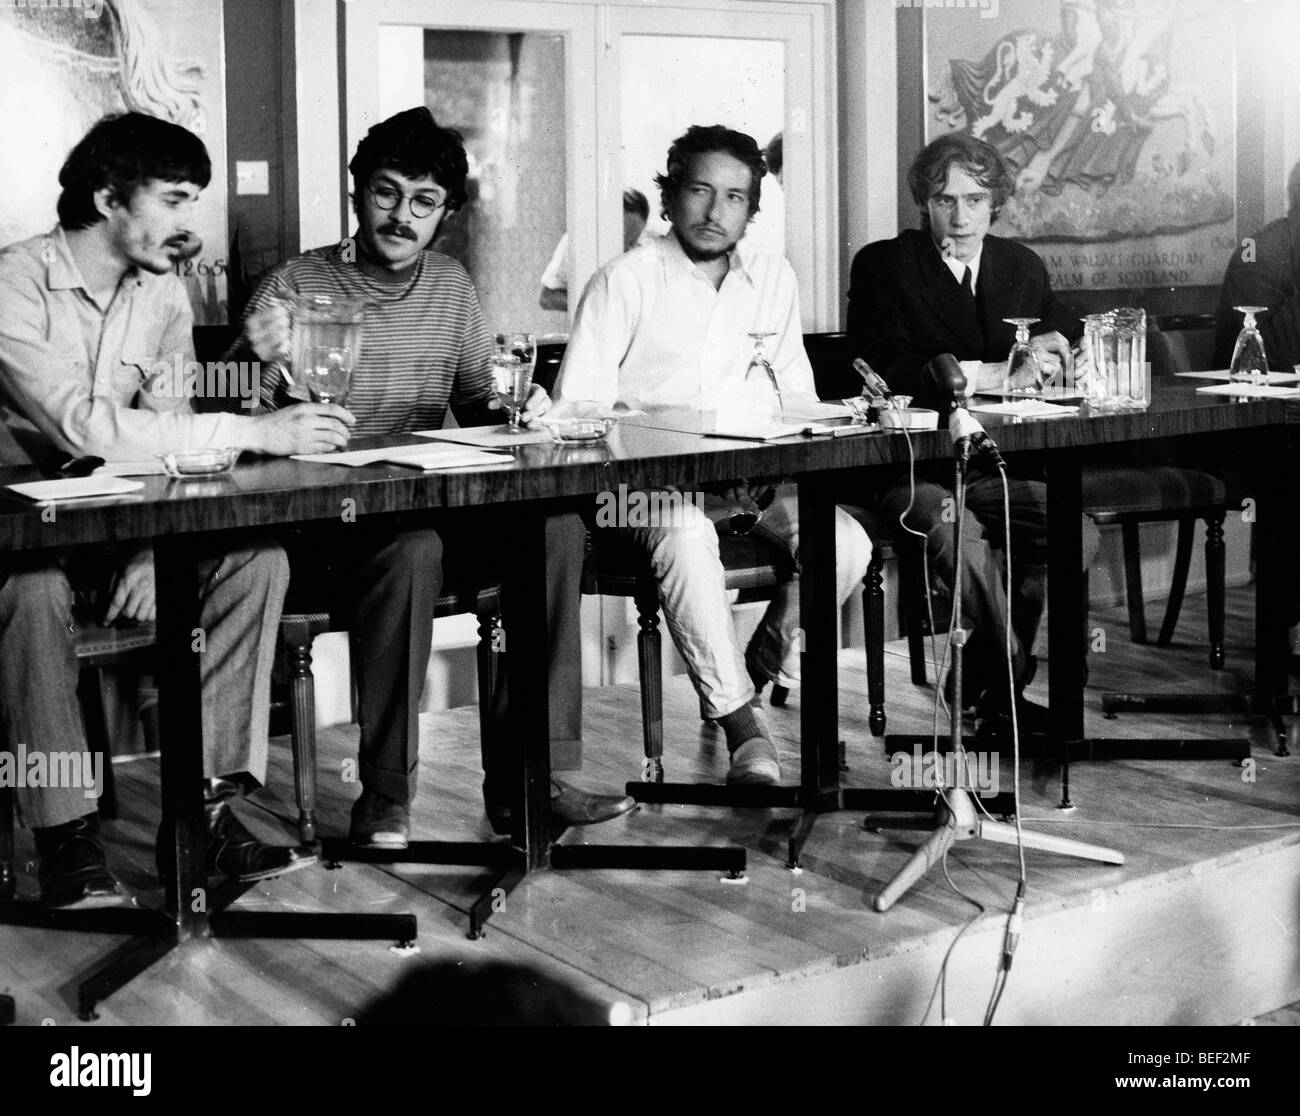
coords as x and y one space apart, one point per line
762 392
1024 378
513 360
1133 373
326 343
1249 364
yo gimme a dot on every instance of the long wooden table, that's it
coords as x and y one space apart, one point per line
184 518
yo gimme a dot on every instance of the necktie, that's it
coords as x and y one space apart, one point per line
968 290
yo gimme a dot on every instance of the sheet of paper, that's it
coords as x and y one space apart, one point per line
447 457
494 437
1273 377
75 488
769 434
1256 391
454 454
1025 408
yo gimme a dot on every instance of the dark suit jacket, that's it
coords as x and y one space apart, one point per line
1269 275
906 307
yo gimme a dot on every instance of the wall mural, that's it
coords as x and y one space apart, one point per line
67 65
1117 118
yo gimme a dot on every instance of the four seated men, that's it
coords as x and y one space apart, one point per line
90 313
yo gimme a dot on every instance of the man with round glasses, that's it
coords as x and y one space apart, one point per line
424 349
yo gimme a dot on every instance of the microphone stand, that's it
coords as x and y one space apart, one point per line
956 816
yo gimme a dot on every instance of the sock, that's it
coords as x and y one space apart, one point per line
740 726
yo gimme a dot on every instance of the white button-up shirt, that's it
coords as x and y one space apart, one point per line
652 332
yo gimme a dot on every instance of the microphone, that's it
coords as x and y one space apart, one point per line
944 377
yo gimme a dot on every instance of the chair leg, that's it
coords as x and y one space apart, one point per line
491 709
1214 585
873 613
1182 562
90 694
1137 621
8 878
911 592
302 733
650 664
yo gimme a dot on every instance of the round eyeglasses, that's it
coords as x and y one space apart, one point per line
422 205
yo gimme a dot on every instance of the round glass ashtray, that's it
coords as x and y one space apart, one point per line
199 463
578 431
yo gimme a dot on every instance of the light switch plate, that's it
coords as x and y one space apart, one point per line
252 177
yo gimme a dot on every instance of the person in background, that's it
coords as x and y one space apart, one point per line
94 327
555 279
1265 271
425 350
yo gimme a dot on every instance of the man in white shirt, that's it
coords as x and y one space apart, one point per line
668 324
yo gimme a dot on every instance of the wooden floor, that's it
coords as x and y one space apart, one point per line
1198 927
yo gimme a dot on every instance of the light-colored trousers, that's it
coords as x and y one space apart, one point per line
242 595
683 552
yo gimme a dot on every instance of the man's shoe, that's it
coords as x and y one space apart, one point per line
379 822
578 807
72 870
233 851
755 763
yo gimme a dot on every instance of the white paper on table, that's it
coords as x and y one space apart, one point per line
1025 408
75 488
1272 378
446 457
772 433
131 469
1258 391
496 437
815 410
430 457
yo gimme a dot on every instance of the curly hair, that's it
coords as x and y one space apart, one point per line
929 170
413 144
704 140
124 151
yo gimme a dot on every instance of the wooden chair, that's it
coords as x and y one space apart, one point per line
299 627
1147 490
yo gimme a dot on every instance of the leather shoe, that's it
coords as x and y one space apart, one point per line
378 822
233 851
72 870
578 807
755 763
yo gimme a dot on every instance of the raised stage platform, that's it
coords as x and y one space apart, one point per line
1200 926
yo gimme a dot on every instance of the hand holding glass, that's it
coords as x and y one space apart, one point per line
513 360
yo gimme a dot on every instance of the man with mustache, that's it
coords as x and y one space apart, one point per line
91 317
668 324
424 349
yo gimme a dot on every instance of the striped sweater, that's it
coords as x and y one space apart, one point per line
423 346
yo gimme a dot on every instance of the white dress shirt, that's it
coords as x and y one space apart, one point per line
958 268
652 332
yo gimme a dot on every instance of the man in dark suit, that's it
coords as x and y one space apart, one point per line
946 289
